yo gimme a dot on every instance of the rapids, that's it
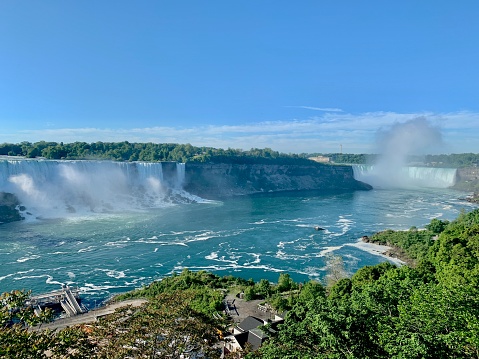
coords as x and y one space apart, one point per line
112 227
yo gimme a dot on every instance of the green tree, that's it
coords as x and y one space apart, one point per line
437 226
13 310
285 283
264 288
250 293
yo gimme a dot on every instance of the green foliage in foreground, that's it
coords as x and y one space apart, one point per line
13 311
204 288
430 311
166 327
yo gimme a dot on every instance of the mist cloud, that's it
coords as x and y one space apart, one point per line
395 143
414 137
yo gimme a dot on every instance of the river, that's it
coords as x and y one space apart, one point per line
256 236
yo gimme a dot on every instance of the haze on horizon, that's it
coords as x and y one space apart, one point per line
308 77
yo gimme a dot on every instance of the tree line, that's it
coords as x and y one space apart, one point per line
148 152
158 152
454 160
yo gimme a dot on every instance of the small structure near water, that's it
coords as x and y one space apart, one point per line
67 299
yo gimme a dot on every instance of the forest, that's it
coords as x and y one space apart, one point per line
429 309
148 152
157 152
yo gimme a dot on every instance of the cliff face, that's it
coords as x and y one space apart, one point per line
467 179
224 180
213 181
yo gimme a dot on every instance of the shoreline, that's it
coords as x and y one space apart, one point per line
474 198
391 252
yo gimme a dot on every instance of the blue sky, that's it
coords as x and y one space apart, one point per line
303 76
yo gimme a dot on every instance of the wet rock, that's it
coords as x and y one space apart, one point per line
9 208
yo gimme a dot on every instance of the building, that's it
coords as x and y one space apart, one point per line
251 334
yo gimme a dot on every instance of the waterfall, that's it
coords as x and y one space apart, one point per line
431 177
180 175
52 188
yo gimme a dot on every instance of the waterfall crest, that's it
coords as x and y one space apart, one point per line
404 177
53 188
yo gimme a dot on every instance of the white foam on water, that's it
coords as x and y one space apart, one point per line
215 257
281 244
49 278
6 276
212 255
118 244
135 281
51 281
115 274
312 272
90 287
435 215
151 241
327 250
295 257
265 268
28 258
87 249
257 259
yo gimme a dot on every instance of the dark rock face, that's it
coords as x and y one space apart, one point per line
9 205
226 180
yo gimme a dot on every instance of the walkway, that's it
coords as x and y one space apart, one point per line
89 317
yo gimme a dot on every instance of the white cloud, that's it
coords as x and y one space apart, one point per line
325 133
323 109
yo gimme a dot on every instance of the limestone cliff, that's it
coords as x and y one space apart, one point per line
224 180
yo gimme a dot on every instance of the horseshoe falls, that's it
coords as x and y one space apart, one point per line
110 227
404 177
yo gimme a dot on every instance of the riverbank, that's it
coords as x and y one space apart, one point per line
392 252
474 198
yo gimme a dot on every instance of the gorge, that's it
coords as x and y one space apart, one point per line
56 188
38 188
108 227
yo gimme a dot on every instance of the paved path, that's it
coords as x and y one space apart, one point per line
89 317
246 308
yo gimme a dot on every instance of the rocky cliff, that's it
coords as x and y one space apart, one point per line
9 206
224 180
467 179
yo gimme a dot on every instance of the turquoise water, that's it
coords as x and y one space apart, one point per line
251 236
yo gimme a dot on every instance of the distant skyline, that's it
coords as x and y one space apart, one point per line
310 76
